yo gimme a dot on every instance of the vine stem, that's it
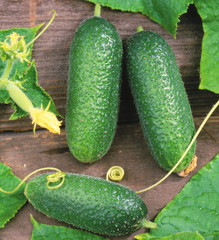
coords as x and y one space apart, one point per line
186 151
140 29
4 78
97 10
28 176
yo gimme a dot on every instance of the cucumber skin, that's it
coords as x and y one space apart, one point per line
89 203
160 98
93 89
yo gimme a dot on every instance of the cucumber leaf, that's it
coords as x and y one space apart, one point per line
29 34
209 71
176 236
195 208
18 68
211 236
166 13
34 92
25 73
44 231
9 203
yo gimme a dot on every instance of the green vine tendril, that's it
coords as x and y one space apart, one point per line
48 24
55 177
115 173
186 151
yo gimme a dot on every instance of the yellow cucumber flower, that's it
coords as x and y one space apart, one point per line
45 119
14 47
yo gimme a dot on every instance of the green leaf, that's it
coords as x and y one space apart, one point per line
9 203
176 236
18 67
29 34
195 208
34 92
43 231
209 71
164 12
211 236
26 73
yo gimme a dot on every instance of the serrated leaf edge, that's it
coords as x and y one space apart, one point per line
141 10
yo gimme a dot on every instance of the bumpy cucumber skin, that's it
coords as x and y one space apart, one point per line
93 89
160 98
89 203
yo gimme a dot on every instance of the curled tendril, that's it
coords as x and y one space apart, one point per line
50 178
115 173
55 177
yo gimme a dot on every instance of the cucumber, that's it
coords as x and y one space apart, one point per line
160 99
93 89
89 203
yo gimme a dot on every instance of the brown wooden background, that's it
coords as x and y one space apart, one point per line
25 152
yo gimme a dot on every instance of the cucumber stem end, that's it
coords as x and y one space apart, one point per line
97 10
148 224
140 29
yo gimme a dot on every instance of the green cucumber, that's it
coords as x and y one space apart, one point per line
89 203
93 89
160 98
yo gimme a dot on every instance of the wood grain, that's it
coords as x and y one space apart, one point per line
51 51
25 152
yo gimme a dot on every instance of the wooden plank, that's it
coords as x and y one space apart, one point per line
25 152
52 48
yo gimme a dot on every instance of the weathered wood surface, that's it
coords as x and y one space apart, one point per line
51 50
25 152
